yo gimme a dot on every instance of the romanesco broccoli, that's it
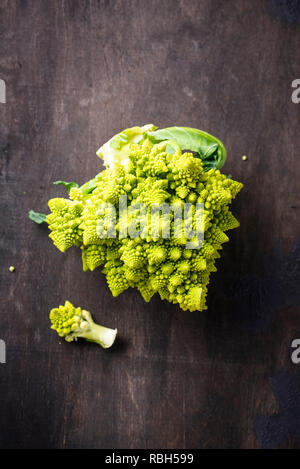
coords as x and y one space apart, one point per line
70 322
144 170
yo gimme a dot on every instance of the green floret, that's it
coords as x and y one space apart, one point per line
93 256
157 255
64 223
116 278
72 323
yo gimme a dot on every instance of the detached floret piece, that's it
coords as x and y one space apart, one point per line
70 323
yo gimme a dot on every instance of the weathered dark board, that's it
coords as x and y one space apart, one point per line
76 73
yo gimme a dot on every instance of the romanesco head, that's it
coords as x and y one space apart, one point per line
154 173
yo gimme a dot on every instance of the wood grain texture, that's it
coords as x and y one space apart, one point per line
77 72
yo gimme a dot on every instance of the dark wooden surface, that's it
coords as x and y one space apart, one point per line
76 73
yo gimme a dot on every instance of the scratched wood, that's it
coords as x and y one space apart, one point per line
77 72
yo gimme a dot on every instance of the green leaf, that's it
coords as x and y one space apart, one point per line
67 185
88 187
117 149
170 149
117 141
37 217
210 149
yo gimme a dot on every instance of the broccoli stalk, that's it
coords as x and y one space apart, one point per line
70 322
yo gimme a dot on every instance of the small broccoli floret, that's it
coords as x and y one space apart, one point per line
70 322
